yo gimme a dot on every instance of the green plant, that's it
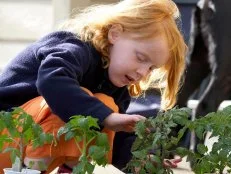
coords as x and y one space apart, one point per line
92 144
203 160
155 142
18 129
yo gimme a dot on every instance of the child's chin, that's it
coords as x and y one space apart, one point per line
115 82
119 85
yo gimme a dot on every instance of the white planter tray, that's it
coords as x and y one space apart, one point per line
108 169
24 171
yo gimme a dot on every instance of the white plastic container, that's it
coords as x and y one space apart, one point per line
24 171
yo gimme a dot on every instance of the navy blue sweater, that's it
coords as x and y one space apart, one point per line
55 67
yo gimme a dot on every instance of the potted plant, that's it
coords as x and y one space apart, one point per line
92 144
17 130
218 158
155 141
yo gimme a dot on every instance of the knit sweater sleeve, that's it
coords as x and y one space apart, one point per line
63 65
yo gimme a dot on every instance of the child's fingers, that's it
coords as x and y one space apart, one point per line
168 163
172 163
177 160
136 118
130 121
130 128
140 117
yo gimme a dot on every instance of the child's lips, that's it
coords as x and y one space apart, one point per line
130 79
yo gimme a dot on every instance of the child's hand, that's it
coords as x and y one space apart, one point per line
122 122
168 163
172 163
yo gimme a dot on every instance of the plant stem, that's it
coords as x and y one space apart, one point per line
90 141
221 169
77 144
18 161
84 144
21 148
88 144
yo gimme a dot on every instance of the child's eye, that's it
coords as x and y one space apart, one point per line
140 58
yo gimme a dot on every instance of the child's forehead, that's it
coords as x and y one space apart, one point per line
146 31
149 39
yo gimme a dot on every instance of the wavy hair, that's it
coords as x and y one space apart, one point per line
147 18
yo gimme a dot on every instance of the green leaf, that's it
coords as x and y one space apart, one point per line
62 130
36 143
4 139
142 171
36 130
69 135
91 135
2 124
84 123
27 136
92 122
199 131
136 163
102 140
223 155
44 137
181 133
80 168
141 154
25 121
205 166
216 147
202 149
213 158
227 110
137 144
97 152
140 129
150 167
17 110
89 168
156 159
157 137
182 151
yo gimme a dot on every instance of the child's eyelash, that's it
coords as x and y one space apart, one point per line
140 58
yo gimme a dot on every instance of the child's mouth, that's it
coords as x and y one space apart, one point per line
130 79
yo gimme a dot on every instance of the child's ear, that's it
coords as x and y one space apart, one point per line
114 33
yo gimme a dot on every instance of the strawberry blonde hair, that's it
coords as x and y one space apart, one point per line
147 18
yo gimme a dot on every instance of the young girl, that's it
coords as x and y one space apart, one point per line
93 66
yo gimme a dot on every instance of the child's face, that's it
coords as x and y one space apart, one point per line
131 60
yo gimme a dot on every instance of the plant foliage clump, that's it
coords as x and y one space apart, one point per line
92 144
215 160
17 130
155 141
